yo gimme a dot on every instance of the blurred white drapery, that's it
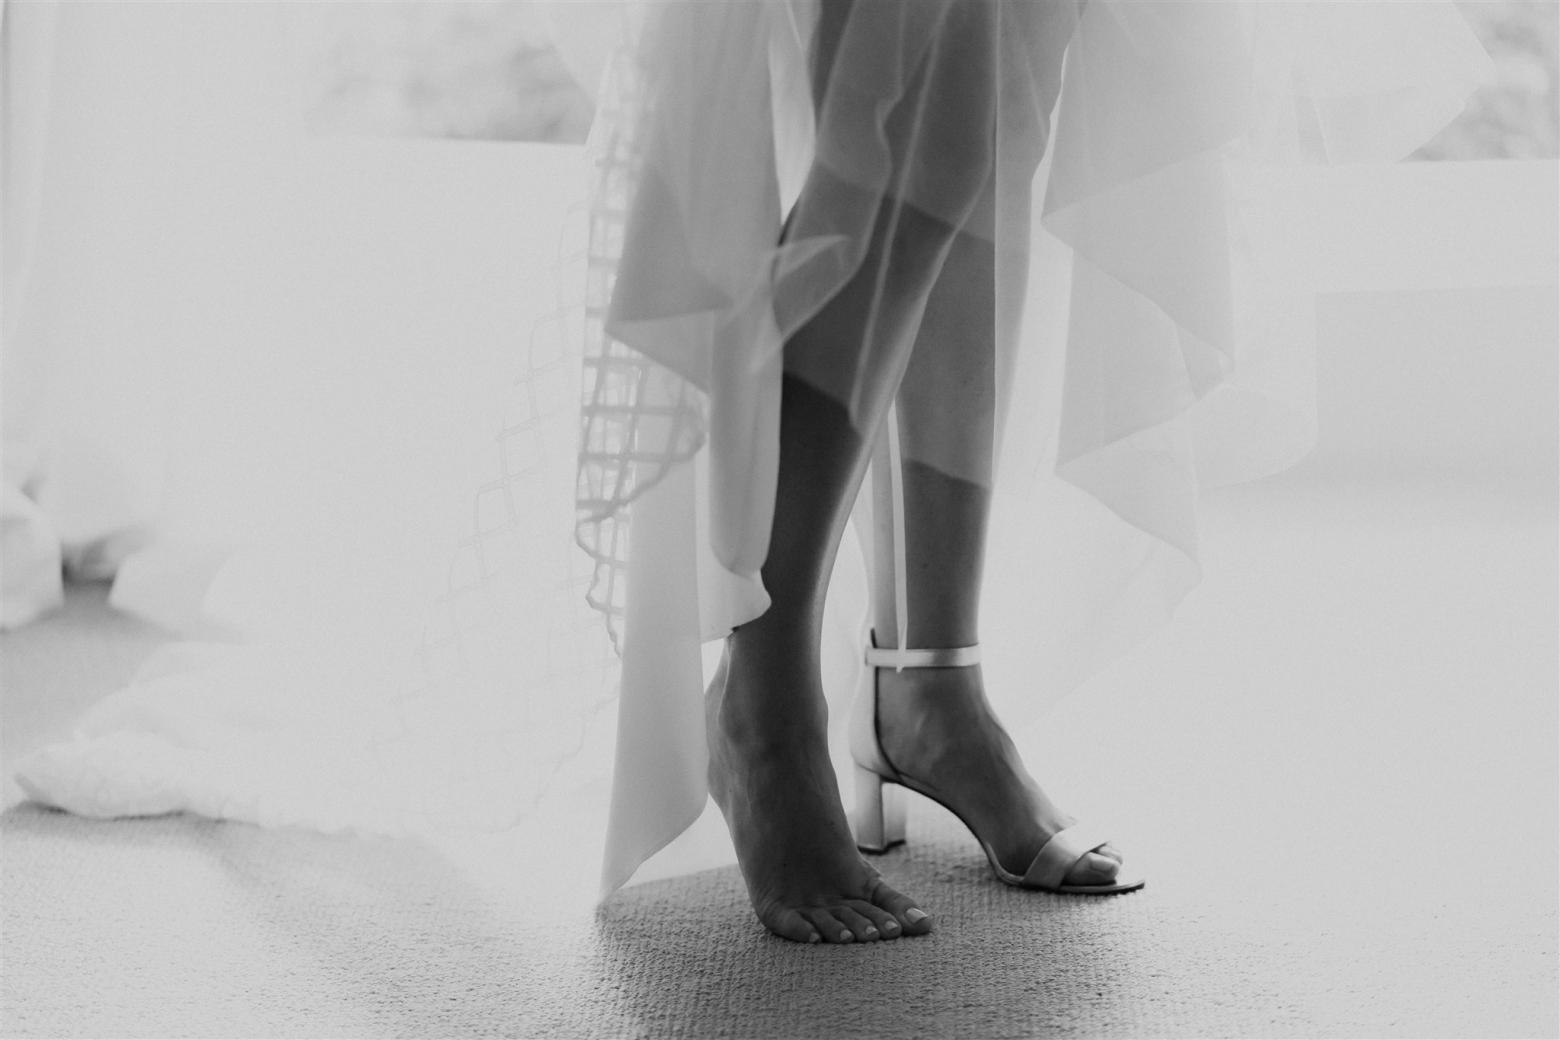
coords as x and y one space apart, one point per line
144 200
191 280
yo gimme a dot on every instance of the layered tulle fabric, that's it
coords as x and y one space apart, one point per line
1130 169
1152 331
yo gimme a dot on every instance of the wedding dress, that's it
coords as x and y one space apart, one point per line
1143 191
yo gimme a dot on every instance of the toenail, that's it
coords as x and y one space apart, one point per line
915 914
891 926
814 937
845 936
870 932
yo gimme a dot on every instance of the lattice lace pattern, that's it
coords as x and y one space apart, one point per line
511 637
638 419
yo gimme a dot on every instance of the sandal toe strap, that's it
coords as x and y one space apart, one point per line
1057 856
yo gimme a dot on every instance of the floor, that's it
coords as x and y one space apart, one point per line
1338 768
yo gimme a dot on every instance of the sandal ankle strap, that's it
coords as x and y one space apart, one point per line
941 657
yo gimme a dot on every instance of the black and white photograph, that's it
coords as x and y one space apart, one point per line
795 519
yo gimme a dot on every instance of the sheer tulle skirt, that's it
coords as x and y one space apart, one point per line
1152 329
1135 172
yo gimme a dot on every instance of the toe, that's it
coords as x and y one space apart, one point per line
860 926
1093 869
1110 852
912 919
887 924
788 924
830 927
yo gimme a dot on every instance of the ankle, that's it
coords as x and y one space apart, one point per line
767 702
921 709
759 732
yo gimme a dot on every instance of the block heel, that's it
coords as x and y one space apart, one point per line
880 812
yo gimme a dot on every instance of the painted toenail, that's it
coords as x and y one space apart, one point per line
915 914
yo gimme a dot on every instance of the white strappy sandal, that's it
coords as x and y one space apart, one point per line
879 819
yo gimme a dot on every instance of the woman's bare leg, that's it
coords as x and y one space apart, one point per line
935 723
770 770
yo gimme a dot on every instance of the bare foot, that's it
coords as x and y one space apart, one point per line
771 776
937 727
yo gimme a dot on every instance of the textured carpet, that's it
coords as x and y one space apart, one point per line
179 927
1338 769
